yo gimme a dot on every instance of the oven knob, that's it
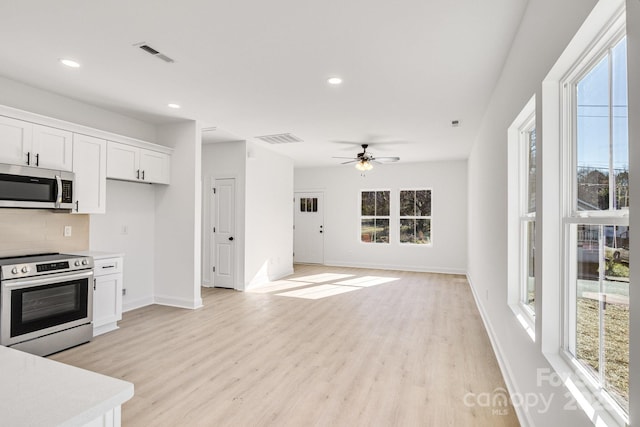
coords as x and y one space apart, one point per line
14 270
77 263
25 269
85 262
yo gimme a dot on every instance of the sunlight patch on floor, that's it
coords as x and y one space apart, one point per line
317 292
279 285
319 278
366 281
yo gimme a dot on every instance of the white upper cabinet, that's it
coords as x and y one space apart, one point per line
123 161
51 148
154 166
15 140
137 164
26 144
90 168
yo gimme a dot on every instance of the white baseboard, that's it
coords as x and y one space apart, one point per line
418 269
523 416
280 274
272 278
104 329
137 303
178 302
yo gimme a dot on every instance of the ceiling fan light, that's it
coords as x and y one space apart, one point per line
364 165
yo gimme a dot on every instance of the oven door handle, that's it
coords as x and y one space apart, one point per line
39 281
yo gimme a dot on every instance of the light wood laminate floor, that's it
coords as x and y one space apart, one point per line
326 347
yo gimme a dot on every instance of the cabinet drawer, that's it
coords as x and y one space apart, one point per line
107 266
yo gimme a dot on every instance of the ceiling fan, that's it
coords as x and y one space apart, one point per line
364 161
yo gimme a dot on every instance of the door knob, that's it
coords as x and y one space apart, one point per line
231 238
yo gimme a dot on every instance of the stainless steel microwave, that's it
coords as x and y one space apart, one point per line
31 187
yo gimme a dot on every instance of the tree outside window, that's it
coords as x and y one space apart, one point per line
374 211
415 216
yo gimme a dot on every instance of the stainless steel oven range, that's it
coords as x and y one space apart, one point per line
46 302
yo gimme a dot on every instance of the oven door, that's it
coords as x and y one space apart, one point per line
40 306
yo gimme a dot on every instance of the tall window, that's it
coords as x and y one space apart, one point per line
595 220
528 218
374 220
522 215
415 216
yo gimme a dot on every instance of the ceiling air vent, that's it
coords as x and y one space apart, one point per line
282 138
154 52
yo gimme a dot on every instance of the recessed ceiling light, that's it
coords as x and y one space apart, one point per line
334 80
176 106
70 63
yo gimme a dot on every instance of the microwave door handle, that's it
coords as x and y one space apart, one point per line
59 192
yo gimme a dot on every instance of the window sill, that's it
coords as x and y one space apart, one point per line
525 318
582 393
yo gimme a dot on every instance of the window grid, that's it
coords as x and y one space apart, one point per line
596 225
415 217
374 216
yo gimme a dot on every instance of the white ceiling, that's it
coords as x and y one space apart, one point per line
251 68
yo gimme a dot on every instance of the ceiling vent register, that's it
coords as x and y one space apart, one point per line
154 52
282 138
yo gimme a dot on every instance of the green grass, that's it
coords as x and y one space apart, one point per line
616 351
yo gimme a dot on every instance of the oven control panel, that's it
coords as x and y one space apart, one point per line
52 266
40 267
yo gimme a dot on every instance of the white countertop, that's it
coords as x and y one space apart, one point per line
99 254
35 391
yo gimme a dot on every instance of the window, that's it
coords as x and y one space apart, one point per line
522 215
415 216
308 204
374 212
595 219
528 219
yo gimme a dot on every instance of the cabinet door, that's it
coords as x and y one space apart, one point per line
107 299
90 167
123 161
154 167
52 148
15 141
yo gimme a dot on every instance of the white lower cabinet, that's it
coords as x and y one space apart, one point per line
107 294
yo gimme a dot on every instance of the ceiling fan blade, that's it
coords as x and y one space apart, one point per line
350 161
387 159
343 158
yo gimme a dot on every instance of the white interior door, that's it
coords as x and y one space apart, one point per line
308 218
223 251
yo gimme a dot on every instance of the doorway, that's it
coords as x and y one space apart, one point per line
308 221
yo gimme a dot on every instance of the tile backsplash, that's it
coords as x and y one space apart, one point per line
28 231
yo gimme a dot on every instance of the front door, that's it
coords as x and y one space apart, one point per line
308 245
223 250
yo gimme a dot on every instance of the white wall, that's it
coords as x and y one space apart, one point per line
130 205
269 216
342 186
178 219
224 160
546 29
28 98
